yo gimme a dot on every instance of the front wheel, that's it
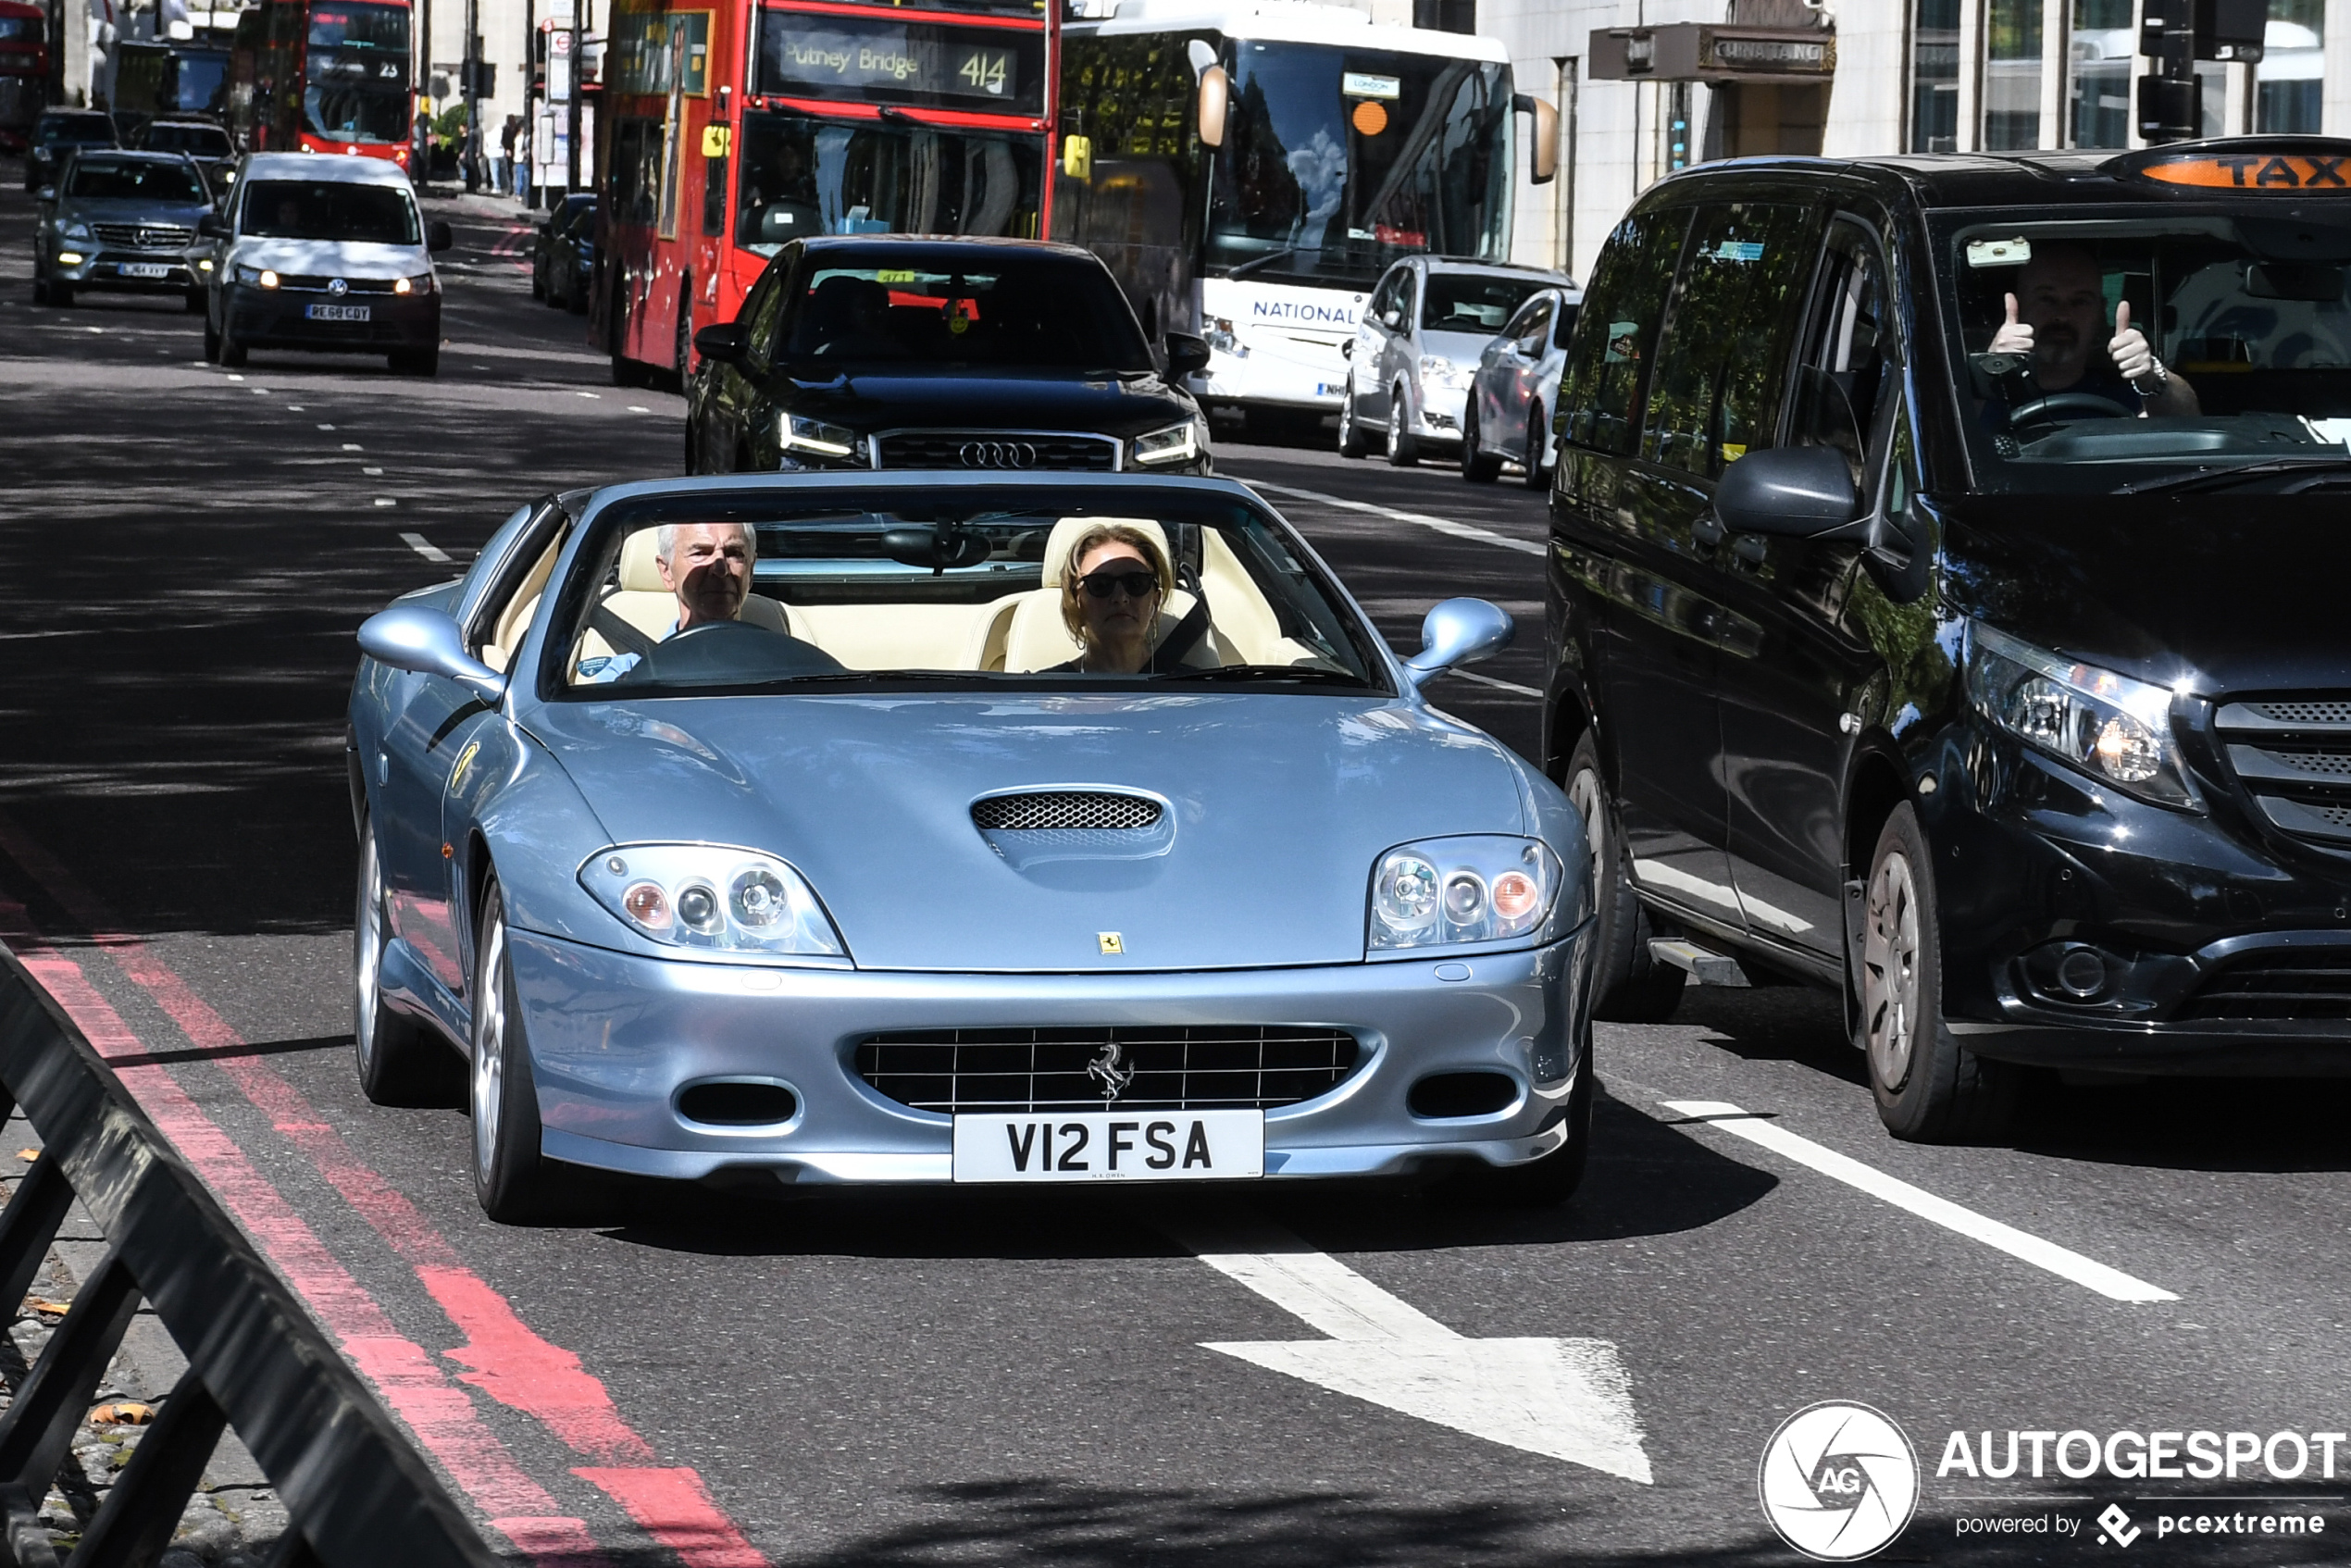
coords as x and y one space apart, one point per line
401 1062
1478 466
509 1174
1535 432
232 352
60 294
211 342
1929 1089
1403 446
1629 986
192 304
1351 434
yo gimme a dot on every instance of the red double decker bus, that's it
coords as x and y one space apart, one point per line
322 76
24 70
726 134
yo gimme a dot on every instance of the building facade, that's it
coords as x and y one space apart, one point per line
1648 86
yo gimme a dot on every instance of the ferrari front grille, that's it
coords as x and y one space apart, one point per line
1181 1067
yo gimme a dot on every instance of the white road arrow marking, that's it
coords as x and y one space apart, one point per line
1564 1399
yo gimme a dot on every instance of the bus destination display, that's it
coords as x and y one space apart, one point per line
850 57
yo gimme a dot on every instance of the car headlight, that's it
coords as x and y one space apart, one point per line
1438 371
420 284
1178 444
2115 728
800 433
712 898
1478 888
77 230
259 277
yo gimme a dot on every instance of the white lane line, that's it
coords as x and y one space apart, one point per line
1497 684
326 427
1568 1399
2062 1262
296 408
589 394
1442 525
424 547
639 408
236 377
351 446
373 473
386 501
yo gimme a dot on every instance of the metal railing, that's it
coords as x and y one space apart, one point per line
357 1494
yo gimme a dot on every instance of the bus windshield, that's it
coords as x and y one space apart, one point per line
360 26
1336 161
356 114
200 81
802 177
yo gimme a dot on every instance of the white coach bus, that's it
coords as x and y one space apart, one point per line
1249 170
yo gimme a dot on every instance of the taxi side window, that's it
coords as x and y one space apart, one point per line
1727 330
1602 385
1845 366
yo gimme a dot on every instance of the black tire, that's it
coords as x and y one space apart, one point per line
1629 986
682 351
401 1062
1478 466
1551 1180
232 352
1351 434
1403 446
1538 435
211 344
539 280
576 297
1929 1089
60 294
415 361
510 1178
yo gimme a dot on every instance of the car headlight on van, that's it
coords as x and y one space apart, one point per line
1477 887
1438 371
259 277
420 284
1178 444
2114 728
713 898
798 432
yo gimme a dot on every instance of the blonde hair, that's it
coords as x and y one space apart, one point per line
1074 587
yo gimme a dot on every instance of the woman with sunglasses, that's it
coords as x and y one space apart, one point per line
1111 600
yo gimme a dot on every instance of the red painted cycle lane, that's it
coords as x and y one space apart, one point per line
505 1358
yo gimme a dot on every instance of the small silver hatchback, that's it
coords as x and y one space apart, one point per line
1409 364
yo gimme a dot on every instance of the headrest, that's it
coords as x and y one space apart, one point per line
842 297
1065 534
640 569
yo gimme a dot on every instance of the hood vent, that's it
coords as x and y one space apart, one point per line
1065 811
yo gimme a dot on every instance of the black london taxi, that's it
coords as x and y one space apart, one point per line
1947 605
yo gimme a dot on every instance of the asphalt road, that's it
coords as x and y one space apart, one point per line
951 1378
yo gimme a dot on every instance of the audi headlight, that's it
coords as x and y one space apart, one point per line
1178 444
1438 371
2115 728
714 898
798 432
1478 888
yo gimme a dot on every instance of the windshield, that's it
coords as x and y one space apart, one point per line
381 28
1469 302
802 177
888 307
1062 587
88 130
1336 161
204 141
200 81
108 180
297 209
2246 310
21 30
356 114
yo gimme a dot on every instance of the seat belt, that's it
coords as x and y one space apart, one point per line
1169 655
623 637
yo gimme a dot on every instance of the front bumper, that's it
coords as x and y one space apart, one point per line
274 319
613 1039
1440 413
2214 952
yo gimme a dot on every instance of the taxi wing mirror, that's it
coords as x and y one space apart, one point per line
1799 492
423 641
438 236
1185 354
1458 632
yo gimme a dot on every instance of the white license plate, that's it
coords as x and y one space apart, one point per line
1111 1146
144 269
336 312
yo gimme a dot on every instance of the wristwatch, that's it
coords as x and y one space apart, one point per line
2156 373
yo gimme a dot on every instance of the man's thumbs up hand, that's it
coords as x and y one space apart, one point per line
2129 348
2014 336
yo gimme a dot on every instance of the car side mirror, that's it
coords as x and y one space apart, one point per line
724 342
1456 632
1215 97
46 194
212 225
1346 348
423 641
1800 491
1543 147
438 237
1185 354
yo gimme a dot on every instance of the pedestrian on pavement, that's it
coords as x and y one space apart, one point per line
506 154
469 156
522 163
420 149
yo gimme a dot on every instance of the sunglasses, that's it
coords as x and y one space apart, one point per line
1134 584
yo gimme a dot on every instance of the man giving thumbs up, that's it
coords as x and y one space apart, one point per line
2058 315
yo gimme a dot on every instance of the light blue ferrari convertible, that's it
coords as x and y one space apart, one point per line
960 829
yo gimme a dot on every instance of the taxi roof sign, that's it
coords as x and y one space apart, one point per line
2256 164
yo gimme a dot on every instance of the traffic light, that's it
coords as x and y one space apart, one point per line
480 79
2177 33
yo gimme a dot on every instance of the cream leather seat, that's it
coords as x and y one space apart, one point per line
1035 638
651 608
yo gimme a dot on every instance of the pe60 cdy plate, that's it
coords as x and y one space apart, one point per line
1111 1146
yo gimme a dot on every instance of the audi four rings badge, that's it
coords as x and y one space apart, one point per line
998 454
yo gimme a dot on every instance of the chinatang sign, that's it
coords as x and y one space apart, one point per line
1703 52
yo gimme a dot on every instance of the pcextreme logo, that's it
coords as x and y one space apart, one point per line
1838 1481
